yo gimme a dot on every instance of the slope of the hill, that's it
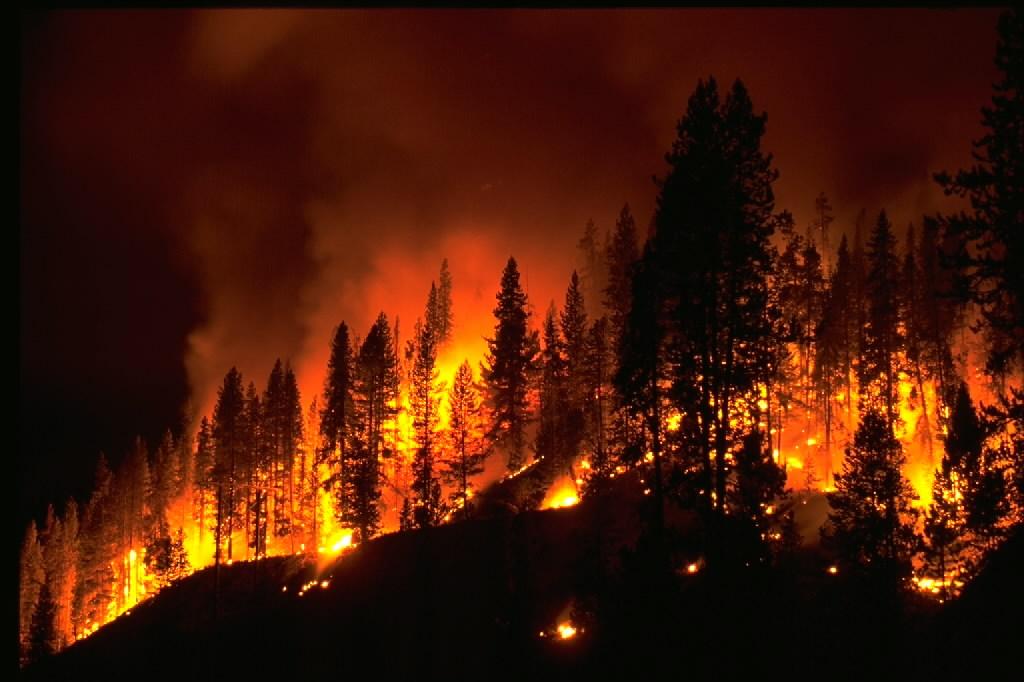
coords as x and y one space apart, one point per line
471 600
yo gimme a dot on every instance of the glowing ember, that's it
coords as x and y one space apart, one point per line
566 631
692 568
833 570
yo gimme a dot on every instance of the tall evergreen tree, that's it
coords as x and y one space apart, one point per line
204 482
509 366
598 372
31 576
574 347
94 590
229 438
375 394
834 353
338 413
714 221
622 253
426 487
554 430
991 257
592 266
466 446
883 339
870 521
643 371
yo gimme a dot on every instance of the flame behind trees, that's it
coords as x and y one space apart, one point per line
712 344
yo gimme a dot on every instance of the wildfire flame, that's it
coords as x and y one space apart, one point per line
562 494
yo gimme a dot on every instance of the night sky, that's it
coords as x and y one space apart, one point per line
205 189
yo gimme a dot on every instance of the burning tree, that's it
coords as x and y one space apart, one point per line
466 447
336 417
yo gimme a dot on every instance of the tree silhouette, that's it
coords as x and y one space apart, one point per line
466 449
508 367
991 253
869 522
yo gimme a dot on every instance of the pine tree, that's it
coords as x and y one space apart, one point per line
834 351
31 577
337 415
375 394
714 222
425 403
870 521
642 371
574 346
877 373
622 253
509 366
553 432
165 481
991 257
229 438
42 642
593 269
914 339
204 482
466 447
445 317
598 372
258 470
65 575
98 544
133 521
819 228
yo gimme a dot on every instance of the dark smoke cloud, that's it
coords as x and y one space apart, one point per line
202 189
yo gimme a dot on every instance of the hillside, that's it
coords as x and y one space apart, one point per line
469 600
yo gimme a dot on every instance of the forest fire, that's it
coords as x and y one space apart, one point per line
719 391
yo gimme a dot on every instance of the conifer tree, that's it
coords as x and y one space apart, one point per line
877 373
98 545
425 403
375 394
508 368
31 576
204 482
714 221
598 372
622 253
228 431
870 521
446 317
338 413
553 432
574 348
466 449
991 254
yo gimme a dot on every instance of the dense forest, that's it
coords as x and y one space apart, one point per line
732 363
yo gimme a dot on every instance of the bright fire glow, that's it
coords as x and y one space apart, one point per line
562 494
566 630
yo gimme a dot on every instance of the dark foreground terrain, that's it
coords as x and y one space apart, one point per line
470 600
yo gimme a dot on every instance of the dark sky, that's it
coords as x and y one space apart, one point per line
215 188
